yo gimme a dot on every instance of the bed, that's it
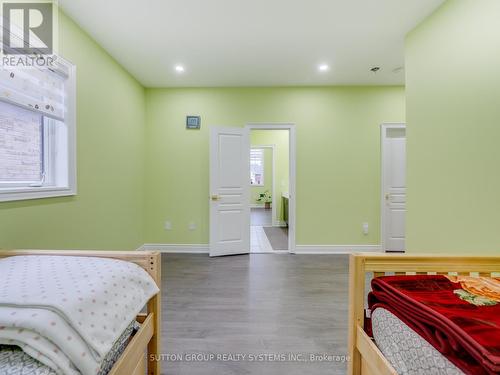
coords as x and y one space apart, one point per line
131 346
366 354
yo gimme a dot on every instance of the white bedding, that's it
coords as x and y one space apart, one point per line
68 311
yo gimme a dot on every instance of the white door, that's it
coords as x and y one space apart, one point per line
393 187
229 191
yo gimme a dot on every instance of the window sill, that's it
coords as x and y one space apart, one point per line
25 193
257 185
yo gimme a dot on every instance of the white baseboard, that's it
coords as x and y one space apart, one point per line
299 249
176 248
336 249
279 223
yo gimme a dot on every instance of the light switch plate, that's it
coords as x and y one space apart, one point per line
365 228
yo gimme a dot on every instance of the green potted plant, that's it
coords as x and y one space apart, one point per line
265 198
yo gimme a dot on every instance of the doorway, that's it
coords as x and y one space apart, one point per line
393 200
266 208
262 182
230 192
272 176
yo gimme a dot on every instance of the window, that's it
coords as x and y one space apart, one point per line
257 166
37 132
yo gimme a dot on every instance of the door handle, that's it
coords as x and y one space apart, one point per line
387 196
215 197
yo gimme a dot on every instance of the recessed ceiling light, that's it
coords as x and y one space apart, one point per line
323 68
179 69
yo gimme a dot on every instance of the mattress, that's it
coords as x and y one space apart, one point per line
407 351
13 361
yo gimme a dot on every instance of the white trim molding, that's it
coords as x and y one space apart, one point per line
176 248
336 249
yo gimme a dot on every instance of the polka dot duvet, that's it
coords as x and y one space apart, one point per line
67 312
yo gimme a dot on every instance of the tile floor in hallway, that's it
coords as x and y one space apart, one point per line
259 243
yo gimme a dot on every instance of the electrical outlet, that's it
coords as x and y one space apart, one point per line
192 225
365 228
168 225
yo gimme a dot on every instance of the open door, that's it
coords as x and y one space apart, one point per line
393 186
229 191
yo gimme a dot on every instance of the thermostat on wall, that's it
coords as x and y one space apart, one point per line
193 122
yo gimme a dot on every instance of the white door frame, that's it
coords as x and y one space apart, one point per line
383 136
292 170
273 173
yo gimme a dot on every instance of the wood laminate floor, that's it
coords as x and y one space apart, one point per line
261 217
268 307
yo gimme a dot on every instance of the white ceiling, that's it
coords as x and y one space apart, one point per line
253 42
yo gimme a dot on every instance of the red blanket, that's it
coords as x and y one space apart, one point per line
463 327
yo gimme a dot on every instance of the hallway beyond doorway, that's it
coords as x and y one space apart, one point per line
260 216
264 238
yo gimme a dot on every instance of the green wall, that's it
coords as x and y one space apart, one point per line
338 156
453 113
280 139
107 213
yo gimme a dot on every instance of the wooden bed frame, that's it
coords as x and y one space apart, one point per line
144 347
365 357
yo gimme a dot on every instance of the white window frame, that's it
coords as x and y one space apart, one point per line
57 188
263 165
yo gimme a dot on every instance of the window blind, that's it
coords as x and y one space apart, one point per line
256 156
39 90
